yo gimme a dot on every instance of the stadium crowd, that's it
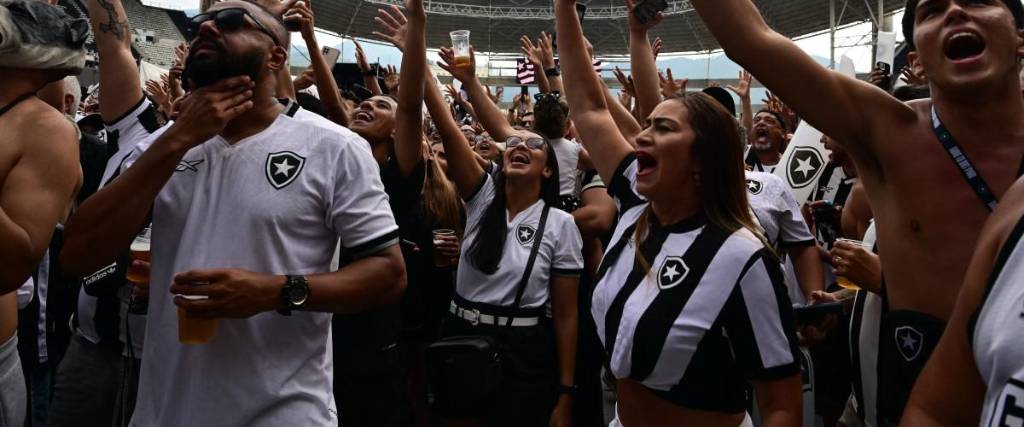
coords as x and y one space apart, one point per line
226 247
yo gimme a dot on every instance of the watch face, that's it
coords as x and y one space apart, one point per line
297 294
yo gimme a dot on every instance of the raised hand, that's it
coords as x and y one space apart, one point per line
499 91
393 26
534 53
547 47
656 47
180 54
301 14
463 74
158 94
634 23
453 93
391 78
626 82
879 78
670 86
742 89
911 78
361 61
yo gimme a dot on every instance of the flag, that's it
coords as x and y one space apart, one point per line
525 74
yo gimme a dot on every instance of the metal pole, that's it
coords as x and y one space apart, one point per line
832 33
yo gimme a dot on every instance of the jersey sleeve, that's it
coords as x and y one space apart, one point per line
568 255
135 125
481 197
359 210
759 321
591 180
623 185
793 231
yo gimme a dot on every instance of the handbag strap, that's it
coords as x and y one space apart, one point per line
529 263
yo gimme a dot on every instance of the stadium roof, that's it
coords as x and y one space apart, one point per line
496 25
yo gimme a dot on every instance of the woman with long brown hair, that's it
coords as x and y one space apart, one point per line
690 304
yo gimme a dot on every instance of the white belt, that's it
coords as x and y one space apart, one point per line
475 317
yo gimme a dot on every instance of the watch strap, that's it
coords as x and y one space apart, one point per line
552 72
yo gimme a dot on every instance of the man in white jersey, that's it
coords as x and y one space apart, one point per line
248 206
766 140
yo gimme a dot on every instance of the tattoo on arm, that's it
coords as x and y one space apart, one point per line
115 27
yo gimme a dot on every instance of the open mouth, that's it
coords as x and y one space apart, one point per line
519 158
362 116
484 145
645 163
964 45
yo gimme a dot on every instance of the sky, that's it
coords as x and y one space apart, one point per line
386 54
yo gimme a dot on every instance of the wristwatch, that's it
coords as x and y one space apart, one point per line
552 72
294 294
568 389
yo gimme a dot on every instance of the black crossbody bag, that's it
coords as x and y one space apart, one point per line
463 371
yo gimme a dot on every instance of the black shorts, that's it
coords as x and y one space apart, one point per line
907 340
529 390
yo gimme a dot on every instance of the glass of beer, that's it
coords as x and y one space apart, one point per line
460 45
194 331
139 276
844 282
440 260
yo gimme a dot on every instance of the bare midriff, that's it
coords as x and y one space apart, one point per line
639 407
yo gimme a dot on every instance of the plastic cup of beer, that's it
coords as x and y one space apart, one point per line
844 282
194 331
140 251
460 45
439 259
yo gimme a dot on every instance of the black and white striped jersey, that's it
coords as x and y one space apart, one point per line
712 313
997 336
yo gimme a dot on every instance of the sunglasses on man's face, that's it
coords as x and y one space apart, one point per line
231 19
532 143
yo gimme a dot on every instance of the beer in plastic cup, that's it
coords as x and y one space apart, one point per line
460 46
842 281
194 331
439 259
140 251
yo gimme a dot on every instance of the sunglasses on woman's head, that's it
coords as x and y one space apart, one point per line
555 95
532 143
230 19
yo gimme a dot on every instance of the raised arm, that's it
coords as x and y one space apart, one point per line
487 112
120 88
853 107
624 120
548 61
458 99
641 60
409 31
463 165
586 95
328 88
742 90
369 77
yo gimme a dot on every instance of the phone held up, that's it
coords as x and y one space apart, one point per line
647 10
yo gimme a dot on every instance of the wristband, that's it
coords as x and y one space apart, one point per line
552 72
568 389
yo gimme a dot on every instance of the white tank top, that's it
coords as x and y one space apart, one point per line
997 336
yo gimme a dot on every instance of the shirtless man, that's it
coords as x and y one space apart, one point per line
928 216
39 175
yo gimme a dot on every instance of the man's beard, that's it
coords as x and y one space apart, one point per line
207 71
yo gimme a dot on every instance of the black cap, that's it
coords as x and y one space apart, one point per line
723 97
908 18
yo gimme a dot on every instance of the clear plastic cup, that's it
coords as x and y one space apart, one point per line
194 331
843 282
460 46
439 259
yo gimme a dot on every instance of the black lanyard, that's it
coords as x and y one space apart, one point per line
15 103
959 157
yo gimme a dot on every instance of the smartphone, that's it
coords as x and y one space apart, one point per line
330 55
647 10
815 314
826 219
883 67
